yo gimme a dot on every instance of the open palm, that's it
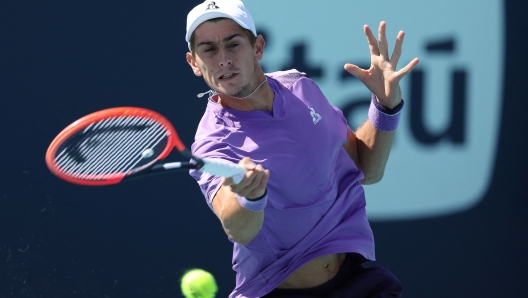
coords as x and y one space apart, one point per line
382 78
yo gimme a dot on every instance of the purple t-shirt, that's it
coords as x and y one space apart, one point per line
316 205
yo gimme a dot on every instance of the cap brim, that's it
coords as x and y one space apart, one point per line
212 15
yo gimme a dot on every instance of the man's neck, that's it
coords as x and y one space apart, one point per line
261 99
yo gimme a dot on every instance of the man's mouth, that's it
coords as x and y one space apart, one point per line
226 76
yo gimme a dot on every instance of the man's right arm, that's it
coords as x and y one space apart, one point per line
241 224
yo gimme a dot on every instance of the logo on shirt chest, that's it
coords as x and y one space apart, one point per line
315 117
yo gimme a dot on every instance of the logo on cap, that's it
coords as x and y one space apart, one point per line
212 6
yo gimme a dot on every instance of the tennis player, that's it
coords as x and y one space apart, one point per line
297 220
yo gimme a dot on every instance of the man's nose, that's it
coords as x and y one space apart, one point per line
225 60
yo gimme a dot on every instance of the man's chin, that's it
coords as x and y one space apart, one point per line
231 93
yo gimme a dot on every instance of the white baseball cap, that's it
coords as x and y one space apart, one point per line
232 9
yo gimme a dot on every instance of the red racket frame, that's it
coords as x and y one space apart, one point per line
82 123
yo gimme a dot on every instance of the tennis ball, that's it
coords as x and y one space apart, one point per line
198 283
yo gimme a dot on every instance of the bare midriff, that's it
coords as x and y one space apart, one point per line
315 272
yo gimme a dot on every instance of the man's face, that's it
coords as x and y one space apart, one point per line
224 56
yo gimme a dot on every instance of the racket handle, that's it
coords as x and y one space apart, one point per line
223 168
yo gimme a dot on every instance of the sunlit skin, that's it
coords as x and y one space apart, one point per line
229 64
382 78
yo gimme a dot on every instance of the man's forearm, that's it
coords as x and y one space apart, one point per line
373 150
240 224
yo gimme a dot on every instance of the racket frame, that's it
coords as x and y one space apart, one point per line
82 123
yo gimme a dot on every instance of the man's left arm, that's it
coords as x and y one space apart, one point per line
370 145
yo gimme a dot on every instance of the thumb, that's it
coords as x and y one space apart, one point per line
247 163
227 181
355 71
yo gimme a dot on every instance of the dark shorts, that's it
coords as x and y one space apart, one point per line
352 281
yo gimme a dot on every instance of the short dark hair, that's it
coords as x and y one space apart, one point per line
252 38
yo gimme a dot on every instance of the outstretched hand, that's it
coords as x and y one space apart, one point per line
382 78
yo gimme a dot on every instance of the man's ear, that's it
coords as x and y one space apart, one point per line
193 64
259 47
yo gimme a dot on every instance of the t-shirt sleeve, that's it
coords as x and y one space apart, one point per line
344 120
210 184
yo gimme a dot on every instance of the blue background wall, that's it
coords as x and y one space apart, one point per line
62 60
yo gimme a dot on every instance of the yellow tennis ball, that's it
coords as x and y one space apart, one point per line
198 283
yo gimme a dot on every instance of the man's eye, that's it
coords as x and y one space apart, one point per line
234 45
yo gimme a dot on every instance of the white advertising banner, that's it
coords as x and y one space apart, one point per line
444 153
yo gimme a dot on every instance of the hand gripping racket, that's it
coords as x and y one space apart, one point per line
117 144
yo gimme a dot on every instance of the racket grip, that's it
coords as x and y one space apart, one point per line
223 168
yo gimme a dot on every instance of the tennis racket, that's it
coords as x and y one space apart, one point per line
118 144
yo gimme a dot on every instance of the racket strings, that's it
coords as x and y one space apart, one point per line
106 159
79 163
113 158
139 144
109 158
109 146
